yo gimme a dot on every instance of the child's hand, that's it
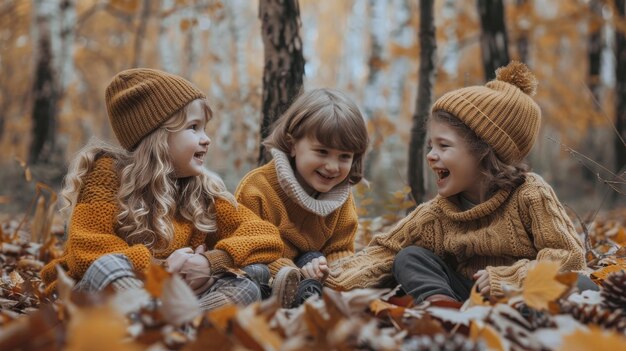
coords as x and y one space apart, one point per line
177 259
197 272
317 268
482 280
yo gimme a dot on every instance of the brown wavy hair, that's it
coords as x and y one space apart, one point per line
329 116
499 175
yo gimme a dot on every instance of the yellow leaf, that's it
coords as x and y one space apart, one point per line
491 337
593 339
540 286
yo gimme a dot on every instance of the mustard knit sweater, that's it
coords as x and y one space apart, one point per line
326 224
241 238
502 235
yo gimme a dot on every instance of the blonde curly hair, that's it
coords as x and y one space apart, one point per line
150 194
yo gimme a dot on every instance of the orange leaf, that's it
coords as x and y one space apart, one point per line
221 317
493 340
540 286
594 339
378 306
476 299
601 274
155 279
98 328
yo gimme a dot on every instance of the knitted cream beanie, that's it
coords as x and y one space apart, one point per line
502 112
139 100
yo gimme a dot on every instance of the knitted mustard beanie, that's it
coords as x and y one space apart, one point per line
502 112
139 100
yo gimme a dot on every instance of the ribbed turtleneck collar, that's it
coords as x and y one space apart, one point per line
323 205
452 211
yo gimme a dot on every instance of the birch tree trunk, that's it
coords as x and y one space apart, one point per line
493 39
620 90
595 46
428 50
284 62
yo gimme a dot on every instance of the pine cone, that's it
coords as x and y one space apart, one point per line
536 319
456 342
596 314
614 290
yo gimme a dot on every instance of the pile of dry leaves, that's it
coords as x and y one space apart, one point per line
545 314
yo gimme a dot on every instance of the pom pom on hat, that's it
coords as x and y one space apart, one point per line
518 74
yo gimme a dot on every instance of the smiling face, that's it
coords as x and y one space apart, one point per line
455 166
320 168
188 146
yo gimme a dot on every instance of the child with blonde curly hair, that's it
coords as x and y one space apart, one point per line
153 201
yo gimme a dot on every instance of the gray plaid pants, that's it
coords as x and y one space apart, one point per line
117 270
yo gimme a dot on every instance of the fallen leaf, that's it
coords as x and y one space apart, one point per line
593 339
179 303
491 337
540 286
156 276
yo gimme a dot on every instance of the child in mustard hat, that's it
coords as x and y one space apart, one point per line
153 200
491 219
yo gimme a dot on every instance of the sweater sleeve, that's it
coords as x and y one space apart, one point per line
245 237
372 266
341 243
553 233
91 232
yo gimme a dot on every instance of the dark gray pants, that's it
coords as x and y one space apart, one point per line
422 274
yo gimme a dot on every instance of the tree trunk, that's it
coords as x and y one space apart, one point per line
45 93
141 33
594 49
46 85
620 90
374 105
493 39
284 62
522 31
428 50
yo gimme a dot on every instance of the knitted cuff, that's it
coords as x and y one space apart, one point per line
335 256
219 261
125 283
280 263
498 277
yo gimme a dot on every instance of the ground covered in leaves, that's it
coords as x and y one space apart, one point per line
547 313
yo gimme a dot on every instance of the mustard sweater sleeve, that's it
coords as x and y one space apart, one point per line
341 243
91 231
372 266
245 237
553 233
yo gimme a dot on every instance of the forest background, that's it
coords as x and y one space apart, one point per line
57 56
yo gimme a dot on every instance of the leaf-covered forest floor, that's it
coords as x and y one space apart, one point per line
547 313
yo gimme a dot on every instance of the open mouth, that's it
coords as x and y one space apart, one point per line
199 155
442 173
